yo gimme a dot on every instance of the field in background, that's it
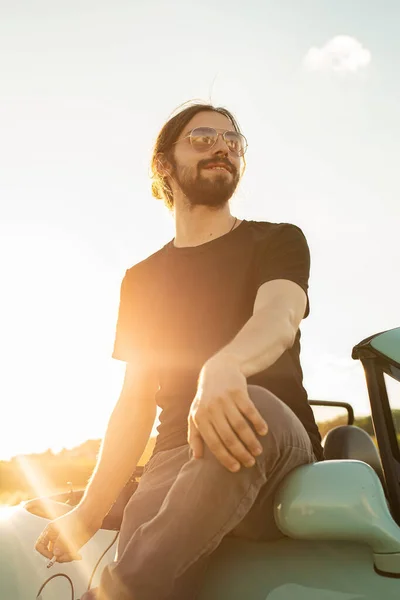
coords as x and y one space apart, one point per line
34 475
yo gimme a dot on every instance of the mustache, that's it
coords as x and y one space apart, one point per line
221 161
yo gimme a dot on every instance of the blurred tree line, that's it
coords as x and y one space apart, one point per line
34 475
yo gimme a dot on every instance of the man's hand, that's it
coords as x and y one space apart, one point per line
219 415
64 536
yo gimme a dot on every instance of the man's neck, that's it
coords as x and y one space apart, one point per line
201 225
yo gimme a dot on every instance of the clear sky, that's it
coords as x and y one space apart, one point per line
85 88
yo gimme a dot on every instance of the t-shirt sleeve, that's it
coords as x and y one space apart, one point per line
130 344
285 255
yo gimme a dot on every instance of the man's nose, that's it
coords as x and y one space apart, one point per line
220 146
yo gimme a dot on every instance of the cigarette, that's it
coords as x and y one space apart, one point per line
51 563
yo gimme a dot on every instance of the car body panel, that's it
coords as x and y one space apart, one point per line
295 570
337 525
281 570
298 569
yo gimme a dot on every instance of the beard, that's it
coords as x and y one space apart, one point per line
203 190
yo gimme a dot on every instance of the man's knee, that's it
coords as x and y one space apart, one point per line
267 404
281 420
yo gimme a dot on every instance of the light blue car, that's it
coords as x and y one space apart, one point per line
341 519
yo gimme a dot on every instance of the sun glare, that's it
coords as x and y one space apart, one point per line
5 512
37 481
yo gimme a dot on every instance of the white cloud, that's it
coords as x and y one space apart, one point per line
341 53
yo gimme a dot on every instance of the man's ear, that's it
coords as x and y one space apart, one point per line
163 166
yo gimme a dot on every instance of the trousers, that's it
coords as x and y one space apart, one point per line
183 508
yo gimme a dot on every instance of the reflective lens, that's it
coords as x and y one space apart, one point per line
204 138
236 142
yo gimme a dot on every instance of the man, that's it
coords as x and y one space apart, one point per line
209 329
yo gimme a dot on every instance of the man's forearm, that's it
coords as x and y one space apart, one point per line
261 341
126 437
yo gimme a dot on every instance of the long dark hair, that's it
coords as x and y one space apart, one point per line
170 132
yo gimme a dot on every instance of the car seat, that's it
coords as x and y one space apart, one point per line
348 442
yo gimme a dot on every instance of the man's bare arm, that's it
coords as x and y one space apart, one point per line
127 434
222 407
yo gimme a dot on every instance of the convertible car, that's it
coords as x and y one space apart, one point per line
340 518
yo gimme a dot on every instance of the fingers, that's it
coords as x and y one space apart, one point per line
43 542
42 549
232 442
64 554
49 544
240 437
247 408
226 428
216 446
67 557
63 557
195 440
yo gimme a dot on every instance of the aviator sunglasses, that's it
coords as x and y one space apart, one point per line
204 138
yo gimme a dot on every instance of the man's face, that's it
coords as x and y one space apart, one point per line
202 185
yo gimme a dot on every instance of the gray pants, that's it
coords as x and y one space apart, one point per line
183 507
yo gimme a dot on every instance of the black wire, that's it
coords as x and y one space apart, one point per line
70 580
53 577
99 561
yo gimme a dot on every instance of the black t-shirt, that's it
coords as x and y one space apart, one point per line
180 306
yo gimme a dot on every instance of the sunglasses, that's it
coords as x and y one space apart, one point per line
204 138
